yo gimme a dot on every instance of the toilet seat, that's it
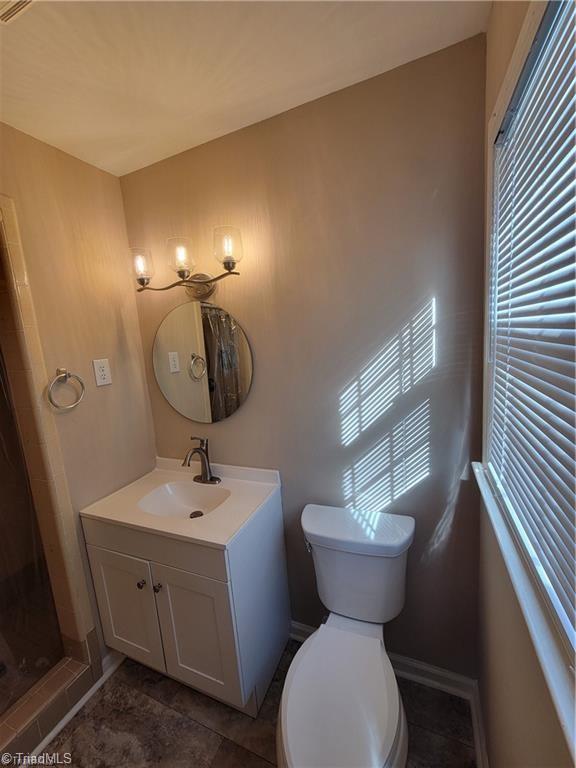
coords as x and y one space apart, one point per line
340 705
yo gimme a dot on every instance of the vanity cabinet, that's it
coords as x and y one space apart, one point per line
173 621
213 614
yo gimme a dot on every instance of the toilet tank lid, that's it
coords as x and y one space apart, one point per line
352 530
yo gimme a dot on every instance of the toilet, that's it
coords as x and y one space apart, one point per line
340 706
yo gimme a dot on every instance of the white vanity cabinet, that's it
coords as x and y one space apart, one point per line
213 616
173 621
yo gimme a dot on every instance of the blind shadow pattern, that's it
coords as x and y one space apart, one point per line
402 362
398 462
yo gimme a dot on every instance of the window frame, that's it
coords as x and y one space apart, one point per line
552 647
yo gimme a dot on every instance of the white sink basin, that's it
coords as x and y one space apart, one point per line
163 500
182 499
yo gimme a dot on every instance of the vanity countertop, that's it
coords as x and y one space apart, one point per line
248 490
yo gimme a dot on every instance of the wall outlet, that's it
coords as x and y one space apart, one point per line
174 362
102 372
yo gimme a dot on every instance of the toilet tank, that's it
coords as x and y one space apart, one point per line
359 559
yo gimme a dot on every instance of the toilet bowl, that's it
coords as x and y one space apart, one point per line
340 706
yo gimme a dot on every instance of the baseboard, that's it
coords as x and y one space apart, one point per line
478 724
300 631
434 677
110 664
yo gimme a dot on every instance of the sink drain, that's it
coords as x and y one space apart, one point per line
196 513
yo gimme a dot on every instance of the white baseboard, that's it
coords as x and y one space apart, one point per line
478 725
300 631
434 677
110 664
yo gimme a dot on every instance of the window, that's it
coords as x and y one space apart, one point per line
532 313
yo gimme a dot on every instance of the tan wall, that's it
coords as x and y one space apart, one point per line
355 210
74 240
522 729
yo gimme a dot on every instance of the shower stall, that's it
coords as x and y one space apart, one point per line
30 641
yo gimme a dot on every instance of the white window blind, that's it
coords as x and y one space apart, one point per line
531 428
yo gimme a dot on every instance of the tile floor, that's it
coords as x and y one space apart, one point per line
140 719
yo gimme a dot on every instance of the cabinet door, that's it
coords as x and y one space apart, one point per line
198 632
127 607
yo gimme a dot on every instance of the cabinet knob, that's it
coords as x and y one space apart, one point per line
157 587
141 584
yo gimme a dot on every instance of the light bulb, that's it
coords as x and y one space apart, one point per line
228 246
143 265
179 256
228 243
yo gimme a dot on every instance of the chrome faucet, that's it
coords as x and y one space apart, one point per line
201 450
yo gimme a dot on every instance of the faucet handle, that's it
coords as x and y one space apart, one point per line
203 442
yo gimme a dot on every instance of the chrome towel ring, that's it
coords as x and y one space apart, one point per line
197 367
62 376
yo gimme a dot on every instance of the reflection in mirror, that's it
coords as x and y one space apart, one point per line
202 362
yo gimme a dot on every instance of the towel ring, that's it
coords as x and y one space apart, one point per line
62 376
197 373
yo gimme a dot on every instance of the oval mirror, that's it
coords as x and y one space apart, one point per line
202 362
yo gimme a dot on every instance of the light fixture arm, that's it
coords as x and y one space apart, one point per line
189 281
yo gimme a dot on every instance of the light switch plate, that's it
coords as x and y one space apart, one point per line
174 362
102 372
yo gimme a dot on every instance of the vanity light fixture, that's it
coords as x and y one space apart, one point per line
227 250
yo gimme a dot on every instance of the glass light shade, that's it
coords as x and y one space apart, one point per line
228 246
179 255
143 265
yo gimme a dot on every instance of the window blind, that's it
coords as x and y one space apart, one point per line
532 313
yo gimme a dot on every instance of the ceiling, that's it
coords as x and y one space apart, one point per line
125 84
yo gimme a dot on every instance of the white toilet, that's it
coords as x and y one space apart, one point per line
341 707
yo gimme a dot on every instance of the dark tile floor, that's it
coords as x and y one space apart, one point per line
140 719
